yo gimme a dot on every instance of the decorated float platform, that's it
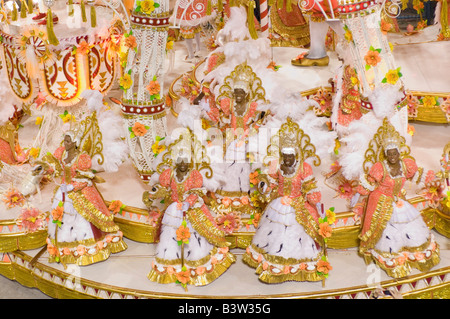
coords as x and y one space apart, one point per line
124 275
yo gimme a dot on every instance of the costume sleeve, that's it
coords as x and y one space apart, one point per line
309 187
225 105
193 184
58 153
213 114
164 178
84 175
413 173
367 182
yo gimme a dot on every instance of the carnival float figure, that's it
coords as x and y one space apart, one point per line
192 250
394 234
237 116
288 244
189 16
81 229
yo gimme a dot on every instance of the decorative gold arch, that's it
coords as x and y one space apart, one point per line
375 150
189 141
291 135
242 72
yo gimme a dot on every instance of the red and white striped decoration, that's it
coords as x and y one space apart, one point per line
264 14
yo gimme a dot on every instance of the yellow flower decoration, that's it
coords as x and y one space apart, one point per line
392 76
169 45
331 216
429 101
34 152
354 80
125 82
348 34
38 120
147 6
67 117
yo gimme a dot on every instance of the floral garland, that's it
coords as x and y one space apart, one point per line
31 219
429 102
325 230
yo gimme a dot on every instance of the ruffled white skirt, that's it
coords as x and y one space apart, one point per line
74 227
168 248
279 234
405 229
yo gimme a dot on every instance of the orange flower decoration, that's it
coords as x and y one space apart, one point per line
256 219
200 270
372 58
325 230
153 87
226 201
401 260
14 198
52 250
385 26
57 213
83 48
115 206
419 256
139 129
324 266
170 270
183 234
183 276
245 200
286 200
81 250
130 42
253 177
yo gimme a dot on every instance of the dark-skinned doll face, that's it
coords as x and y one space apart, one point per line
240 96
182 164
288 159
68 143
392 156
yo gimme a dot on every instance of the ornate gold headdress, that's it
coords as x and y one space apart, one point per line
186 145
290 138
386 137
88 136
244 78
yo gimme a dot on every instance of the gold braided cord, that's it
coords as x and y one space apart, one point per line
89 212
207 228
304 218
380 218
